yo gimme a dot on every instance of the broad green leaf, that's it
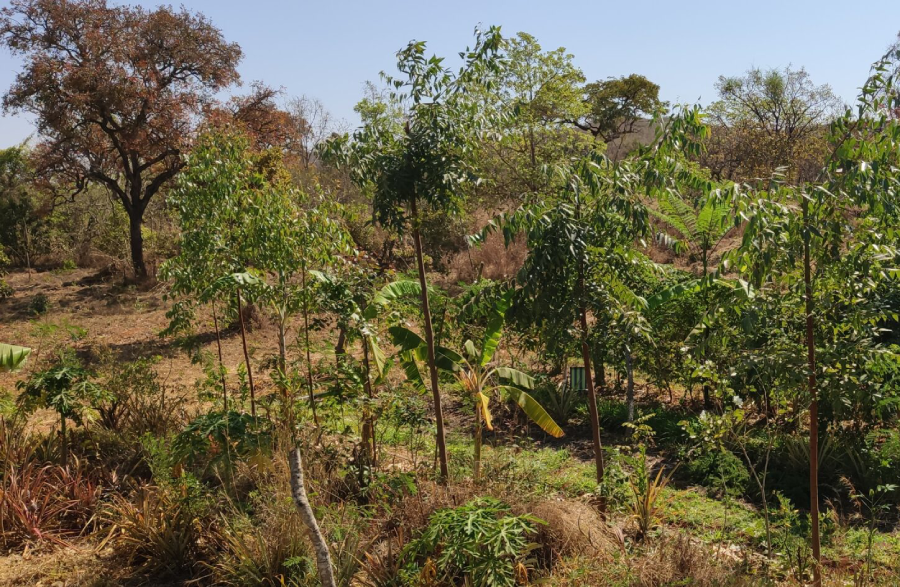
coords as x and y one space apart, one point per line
446 359
377 356
516 377
411 368
12 357
405 338
470 350
494 329
390 293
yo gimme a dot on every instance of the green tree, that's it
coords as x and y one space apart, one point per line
770 119
581 245
616 105
539 91
481 379
425 161
697 230
816 241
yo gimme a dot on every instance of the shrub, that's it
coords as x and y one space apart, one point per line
479 543
212 442
136 400
39 305
717 469
45 503
272 554
159 532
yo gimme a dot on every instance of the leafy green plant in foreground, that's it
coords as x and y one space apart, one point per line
481 543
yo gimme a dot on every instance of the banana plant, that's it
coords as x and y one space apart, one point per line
478 376
12 357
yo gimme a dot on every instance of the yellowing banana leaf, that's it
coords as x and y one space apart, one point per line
535 412
483 403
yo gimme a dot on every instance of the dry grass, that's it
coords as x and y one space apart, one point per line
573 528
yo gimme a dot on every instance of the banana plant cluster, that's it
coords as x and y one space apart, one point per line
479 378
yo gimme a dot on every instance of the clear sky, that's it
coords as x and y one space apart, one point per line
327 49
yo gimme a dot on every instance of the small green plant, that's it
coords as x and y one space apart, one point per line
213 441
273 554
65 387
720 471
876 503
646 503
480 543
646 490
39 305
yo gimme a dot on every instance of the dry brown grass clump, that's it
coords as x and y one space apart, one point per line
573 528
678 560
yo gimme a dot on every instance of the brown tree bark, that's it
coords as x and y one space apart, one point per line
813 405
219 347
240 310
309 377
429 341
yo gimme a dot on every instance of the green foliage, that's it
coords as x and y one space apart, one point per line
615 105
428 158
39 305
159 531
213 441
12 357
720 471
481 543
65 387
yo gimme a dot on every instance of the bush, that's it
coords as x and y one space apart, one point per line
137 401
271 554
160 533
45 503
39 305
715 469
480 543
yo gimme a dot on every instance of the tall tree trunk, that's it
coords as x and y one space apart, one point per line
429 341
588 375
135 219
599 373
221 370
707 402
240 310
320 545
309 377
813 404
592 401
368 417
629 373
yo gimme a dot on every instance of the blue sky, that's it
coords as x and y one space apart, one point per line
328 49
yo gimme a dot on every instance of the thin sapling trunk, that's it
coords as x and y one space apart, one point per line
429 341
240 310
